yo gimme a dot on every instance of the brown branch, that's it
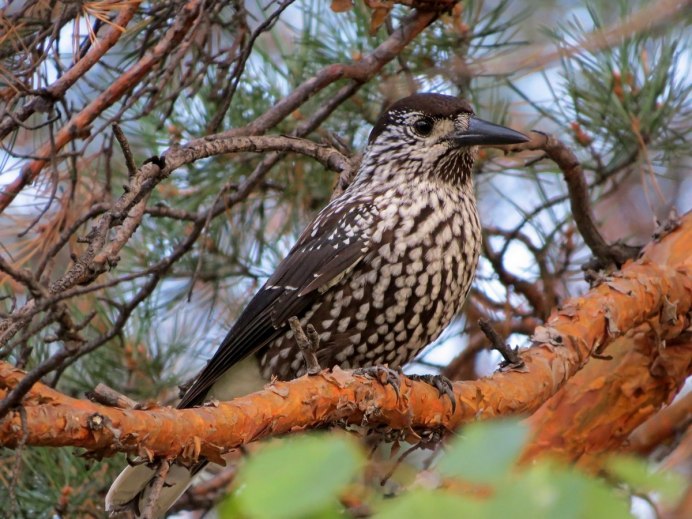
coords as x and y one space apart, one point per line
509 354
656 289
531 291
156 487
128 211
105 395
79 123
43 101
127 151
361 71
201 149
580 201
241 61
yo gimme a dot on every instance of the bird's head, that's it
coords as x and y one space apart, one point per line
432 134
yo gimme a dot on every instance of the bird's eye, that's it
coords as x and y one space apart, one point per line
423 126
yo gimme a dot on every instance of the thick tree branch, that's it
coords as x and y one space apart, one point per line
642 376
663 426
657 289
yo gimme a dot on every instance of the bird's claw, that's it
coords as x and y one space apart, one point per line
307 344
383 374
442 384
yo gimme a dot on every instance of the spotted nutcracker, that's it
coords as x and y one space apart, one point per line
379 273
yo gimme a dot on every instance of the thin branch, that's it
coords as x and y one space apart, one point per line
510 355
267 24
127 151
147 511
580 201
43 101
78 123
105 395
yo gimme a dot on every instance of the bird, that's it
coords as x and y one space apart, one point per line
379 273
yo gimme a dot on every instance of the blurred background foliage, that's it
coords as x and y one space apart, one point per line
476 476
611 85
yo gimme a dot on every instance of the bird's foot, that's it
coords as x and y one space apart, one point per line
441 383
383 374
307 344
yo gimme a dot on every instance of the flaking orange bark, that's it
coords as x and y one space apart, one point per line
655 289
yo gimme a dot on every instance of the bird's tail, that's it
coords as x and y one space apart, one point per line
131 491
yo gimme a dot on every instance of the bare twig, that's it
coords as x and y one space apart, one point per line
17 466
127 152
580 203
43 100
267 24
147 511
79 123
108 396
512 360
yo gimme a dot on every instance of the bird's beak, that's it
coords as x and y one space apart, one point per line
484 133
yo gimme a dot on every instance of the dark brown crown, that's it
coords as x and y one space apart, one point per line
438 106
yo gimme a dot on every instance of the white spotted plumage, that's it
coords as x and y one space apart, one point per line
428 281
379 273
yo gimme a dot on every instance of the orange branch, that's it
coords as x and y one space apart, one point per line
656 289
662 426
602 404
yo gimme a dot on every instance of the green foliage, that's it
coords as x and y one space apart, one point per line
429 503
303 477
627 99
471 461
298 477
640 478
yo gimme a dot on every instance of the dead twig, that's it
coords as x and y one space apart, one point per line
509 354
147 511
127 152
108 396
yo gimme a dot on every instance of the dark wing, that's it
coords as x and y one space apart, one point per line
327 250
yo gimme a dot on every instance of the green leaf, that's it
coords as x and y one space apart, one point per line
429 503
637 474
298 477
485 451
546 491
